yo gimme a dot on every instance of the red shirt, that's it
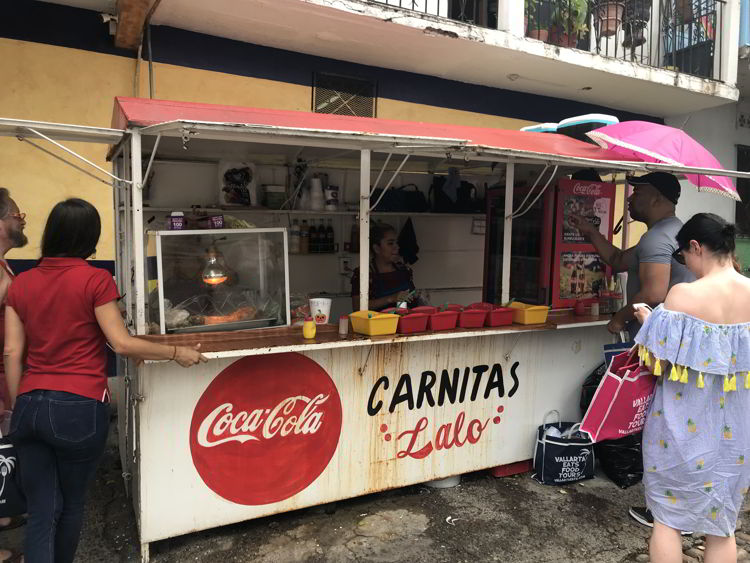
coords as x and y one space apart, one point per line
65 346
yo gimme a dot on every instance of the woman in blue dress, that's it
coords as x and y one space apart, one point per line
697 436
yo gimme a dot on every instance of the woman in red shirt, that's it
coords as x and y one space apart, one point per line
60 315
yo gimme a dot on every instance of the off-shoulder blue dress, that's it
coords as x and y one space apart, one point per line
697 434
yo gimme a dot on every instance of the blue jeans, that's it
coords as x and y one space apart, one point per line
59 439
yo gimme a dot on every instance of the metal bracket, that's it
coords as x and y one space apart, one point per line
71 152
151 160
186 135
135 398
388 185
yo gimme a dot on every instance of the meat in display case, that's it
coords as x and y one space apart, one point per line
217 280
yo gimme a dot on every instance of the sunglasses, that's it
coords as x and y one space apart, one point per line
678 256
19 216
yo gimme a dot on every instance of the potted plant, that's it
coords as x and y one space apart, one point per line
569 20
608 16
536 20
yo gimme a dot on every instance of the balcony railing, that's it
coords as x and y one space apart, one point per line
679 35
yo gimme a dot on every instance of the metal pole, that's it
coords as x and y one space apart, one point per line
507 231
626 218
138 246
364 229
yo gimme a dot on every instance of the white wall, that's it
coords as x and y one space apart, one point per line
717 130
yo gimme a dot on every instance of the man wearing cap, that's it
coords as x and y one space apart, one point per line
651 269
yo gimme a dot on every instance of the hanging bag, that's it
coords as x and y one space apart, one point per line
562 453
621 401
12 499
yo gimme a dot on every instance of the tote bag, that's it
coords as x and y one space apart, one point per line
565 457
621 401
12 499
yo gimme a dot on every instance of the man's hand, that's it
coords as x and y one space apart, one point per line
582 224
616 325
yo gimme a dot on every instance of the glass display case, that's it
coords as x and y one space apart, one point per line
217 280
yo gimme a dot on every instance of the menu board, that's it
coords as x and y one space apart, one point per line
579 271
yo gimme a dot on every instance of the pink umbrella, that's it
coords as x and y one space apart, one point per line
652 142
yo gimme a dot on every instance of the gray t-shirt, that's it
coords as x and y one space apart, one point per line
656 247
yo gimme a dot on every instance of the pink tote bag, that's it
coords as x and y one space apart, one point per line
621 401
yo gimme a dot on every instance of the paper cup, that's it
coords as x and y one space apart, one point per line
320 309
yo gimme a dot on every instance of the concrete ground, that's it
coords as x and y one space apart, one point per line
512 519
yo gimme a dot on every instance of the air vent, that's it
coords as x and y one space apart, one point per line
342 95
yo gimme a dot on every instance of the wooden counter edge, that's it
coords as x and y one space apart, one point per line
289 339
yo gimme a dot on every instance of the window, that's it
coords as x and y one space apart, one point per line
343 95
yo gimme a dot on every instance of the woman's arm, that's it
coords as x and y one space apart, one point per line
15 345
382 302
110 321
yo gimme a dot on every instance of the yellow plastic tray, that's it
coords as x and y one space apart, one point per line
373 323
525 314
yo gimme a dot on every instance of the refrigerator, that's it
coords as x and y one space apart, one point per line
551 263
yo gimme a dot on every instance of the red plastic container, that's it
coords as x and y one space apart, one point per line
454 307
483 306
396 311
499 316
426 309
472 318
413 322
445 320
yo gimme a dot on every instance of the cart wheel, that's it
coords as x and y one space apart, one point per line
330 508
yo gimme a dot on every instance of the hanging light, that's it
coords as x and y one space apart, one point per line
214 272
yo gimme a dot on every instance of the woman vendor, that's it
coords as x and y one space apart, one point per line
391 280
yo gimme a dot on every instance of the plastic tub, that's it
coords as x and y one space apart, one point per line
426 309
525 314
445 320
472 318
482 305
373 323
414 322
454 307
396 311
499 316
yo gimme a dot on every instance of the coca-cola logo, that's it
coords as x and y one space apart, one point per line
587 189
265 428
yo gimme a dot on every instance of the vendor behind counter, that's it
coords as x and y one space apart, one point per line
391 280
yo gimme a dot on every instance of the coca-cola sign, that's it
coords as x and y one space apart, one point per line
587 189
265 428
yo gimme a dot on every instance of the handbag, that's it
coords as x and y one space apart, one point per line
400 199
621 401
12 499
562 456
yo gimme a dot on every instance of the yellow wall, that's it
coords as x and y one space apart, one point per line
58 84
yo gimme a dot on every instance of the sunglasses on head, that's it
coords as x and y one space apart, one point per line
678 257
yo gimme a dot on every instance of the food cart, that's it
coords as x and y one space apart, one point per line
274 422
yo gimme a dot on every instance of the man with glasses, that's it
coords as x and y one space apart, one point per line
12 223
654 265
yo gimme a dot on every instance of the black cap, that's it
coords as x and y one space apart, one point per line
666 183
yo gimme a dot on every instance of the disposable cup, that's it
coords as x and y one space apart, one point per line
320 309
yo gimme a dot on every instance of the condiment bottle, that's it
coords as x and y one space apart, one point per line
304 238
314 240
308 328
343 325
294 238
